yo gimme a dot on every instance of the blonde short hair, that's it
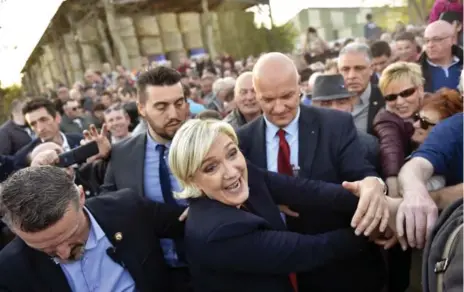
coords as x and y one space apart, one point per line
401 71
189 148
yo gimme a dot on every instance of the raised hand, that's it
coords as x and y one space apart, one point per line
104 145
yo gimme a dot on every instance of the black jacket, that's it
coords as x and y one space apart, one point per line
141 222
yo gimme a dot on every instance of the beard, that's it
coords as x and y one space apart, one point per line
162 130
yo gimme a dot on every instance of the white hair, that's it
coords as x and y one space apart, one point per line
223 83
359 48
312 79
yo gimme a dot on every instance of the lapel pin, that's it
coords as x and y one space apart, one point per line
118 236
375 103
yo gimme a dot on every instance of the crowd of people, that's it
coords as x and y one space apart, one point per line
276 173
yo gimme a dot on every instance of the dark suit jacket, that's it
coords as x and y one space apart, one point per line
126 166
22 156
68 126
230 249
376 103
329 150
141 222
13 137
6 166
370 145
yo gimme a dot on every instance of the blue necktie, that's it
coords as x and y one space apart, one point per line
166 189
165 181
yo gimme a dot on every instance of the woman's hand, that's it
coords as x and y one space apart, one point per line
372 207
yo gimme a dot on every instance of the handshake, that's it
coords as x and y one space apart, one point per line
375 215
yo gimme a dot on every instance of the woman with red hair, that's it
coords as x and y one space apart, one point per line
439 106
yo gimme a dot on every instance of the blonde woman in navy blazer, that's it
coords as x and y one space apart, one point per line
235 237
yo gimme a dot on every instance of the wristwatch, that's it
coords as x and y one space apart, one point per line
385 187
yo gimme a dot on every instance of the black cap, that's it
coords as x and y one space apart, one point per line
330 87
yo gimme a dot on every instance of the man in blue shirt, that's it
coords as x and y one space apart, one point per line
441 154
140 162
66 244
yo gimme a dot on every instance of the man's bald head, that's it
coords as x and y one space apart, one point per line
275 80
439 28
44 147
439 39
274 65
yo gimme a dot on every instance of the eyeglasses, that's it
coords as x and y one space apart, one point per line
435 40
424 124
404 94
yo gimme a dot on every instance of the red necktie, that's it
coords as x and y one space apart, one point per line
284 167
283 157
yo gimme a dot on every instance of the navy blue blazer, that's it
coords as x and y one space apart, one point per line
141 222
21 157
329 150
230 249
6 166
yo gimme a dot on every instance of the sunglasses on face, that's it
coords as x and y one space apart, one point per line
424 124
404 94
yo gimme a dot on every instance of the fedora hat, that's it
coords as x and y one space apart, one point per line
330 87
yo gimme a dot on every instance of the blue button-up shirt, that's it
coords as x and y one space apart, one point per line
152 189
96 271
272 142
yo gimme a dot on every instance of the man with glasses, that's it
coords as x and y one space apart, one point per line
73 120
442 61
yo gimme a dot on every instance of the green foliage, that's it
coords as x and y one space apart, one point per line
7 95
239 36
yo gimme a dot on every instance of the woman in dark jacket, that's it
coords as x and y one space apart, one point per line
401 85
235 237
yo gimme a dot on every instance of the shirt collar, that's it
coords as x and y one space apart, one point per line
365 96
151 143
65 144
453 62
95 233
291 129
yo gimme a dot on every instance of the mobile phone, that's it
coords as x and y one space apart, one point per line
78 155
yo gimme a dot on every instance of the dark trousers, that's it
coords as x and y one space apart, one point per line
180 280
399 266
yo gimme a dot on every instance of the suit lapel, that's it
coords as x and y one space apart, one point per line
308 135
125 236
137 160
269 214
49 273
258 144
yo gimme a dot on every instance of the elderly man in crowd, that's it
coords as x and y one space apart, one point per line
442 60
247 108
221 89
312 143
329 92
355 65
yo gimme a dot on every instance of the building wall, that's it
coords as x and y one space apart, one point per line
333 23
